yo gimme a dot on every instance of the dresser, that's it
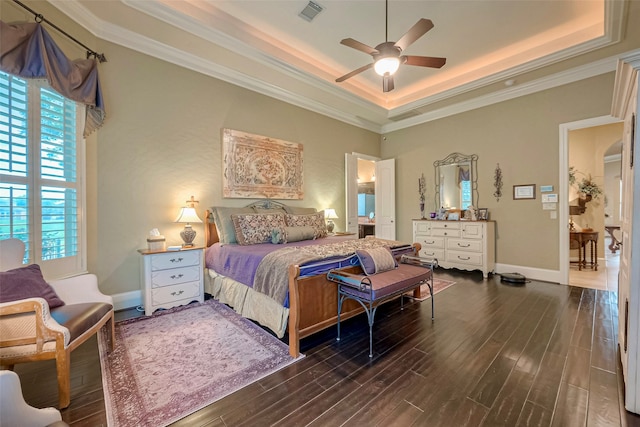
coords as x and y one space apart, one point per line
171 278
466 245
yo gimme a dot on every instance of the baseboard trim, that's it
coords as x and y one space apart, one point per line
530 272
127 300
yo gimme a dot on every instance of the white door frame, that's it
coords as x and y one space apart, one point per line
563 190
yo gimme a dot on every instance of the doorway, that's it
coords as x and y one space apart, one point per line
588 151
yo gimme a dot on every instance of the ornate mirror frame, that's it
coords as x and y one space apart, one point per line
454 159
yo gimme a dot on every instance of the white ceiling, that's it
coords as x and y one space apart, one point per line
490 46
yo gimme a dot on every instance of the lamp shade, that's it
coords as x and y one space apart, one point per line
330 214
188 215
387 65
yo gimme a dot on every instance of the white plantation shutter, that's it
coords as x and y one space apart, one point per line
41 173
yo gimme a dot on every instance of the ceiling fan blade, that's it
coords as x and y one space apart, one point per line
359 46
418 30
354 72
423 61
387 83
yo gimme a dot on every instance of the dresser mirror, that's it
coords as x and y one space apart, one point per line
456 181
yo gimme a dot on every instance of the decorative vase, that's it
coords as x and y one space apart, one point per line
422 210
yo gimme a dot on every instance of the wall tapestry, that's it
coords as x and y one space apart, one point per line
261 167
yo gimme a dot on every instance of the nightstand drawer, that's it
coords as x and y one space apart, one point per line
175 259
170 294
174 276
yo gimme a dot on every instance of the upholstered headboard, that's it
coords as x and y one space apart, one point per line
211 232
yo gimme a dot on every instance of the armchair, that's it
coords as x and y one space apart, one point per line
30 330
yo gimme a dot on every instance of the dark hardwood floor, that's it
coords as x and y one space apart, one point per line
540 354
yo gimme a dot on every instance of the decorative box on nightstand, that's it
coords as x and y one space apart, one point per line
171 278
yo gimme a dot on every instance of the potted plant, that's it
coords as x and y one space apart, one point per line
589 188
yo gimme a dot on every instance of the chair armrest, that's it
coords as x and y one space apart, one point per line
28 321
421 261
79 289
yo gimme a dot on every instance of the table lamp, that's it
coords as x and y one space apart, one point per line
330 215
188 215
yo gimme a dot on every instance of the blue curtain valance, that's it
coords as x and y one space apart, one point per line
28 51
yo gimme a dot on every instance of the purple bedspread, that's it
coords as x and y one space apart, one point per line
240 262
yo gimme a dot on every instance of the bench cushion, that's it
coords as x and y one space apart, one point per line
405 277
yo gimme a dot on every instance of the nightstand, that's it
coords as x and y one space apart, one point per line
171 278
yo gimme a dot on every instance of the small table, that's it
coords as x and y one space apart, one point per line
582 238
615 243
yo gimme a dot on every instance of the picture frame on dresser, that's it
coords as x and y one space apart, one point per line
483 214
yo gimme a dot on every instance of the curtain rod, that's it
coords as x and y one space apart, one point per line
39 18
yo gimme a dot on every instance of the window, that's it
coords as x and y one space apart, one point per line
41 175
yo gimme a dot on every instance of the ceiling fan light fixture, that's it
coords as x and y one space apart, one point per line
387 65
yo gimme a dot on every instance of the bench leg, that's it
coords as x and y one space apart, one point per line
340 301
371 312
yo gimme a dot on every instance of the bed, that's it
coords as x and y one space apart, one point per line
282 286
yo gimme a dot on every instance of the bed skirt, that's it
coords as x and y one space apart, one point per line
247 302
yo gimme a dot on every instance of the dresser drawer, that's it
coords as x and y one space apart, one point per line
430 242
445 232
451 225
433 253
464 245
467 258
174 276
179 292
173 260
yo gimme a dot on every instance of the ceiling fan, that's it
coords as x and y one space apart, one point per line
387 56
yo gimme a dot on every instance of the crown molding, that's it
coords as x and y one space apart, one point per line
135 41
565 77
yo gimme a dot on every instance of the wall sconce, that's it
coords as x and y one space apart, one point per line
330 215
188 215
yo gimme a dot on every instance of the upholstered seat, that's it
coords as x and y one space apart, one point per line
30 330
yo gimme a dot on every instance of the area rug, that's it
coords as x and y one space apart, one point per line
438 285
171 364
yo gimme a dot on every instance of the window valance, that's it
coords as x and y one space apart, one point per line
28 51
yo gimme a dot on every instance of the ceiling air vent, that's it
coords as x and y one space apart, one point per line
310 11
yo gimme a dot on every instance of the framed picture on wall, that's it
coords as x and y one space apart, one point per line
524 192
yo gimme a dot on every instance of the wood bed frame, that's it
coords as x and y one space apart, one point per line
313 300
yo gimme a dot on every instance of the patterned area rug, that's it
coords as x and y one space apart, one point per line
438 285
168 366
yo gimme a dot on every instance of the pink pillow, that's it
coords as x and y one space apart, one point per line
27 282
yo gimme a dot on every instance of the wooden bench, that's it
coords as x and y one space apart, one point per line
373 290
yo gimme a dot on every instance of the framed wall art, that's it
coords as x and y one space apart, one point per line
256 166
524 192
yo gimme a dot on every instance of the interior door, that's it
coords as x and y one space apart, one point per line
626 106
351 191
386 199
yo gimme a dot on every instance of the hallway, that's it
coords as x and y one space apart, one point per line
606 278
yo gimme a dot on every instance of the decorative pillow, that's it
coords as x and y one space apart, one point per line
299 211
224 223
254 228
315 220
27 282
377 260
